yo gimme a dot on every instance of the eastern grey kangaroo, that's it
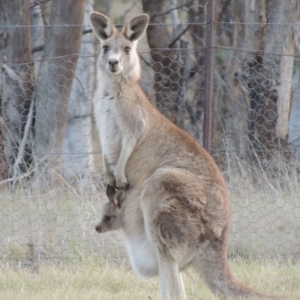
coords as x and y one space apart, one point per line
176 212
112 218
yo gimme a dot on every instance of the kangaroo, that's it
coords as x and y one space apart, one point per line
176 212
113 219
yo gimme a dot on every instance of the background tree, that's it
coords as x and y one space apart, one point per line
197 30
77 148
53 86
268 73
16 79
253 87
164 61
230 116
254 75
37 20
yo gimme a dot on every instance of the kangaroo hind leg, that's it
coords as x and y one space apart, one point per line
170 280
173 224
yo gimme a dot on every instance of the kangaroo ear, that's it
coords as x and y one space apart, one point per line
135 28
119 198
110 193
101 25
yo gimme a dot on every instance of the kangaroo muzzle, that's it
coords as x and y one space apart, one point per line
114 64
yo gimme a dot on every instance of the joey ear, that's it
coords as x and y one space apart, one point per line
120 198
135 28
101 25
110 193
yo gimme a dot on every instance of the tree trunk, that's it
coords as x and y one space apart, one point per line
280 40
223 82
37 33
62 44
196 14
270 89
2 153
77 150
294 123
175 21
165 61
15 46
252 61
255 17
234 93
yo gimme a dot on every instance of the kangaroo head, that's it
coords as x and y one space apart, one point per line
112 211
118 54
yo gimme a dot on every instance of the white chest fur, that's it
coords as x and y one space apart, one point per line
108 124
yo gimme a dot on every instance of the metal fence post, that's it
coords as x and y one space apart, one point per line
209 77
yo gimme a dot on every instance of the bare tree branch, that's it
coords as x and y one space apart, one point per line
37 49
39 3
171 9
23 143
129 9
178 37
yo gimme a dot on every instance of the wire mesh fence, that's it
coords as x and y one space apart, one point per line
51 171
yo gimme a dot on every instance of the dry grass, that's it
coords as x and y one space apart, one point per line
59 222
54 224
265 203
50 250
92 278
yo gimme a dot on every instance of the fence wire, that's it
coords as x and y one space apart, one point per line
51 189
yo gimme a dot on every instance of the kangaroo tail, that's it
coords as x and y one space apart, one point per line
224 284
213 266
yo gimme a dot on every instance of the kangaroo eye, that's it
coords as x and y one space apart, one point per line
107 218
105 48
126 50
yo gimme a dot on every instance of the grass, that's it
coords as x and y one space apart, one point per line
265 204
93 278
55 223
50 250
59 222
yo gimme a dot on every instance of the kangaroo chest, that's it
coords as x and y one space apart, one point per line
109 128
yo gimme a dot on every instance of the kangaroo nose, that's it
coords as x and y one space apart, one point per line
113 62
98 228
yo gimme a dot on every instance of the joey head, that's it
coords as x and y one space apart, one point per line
112 217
